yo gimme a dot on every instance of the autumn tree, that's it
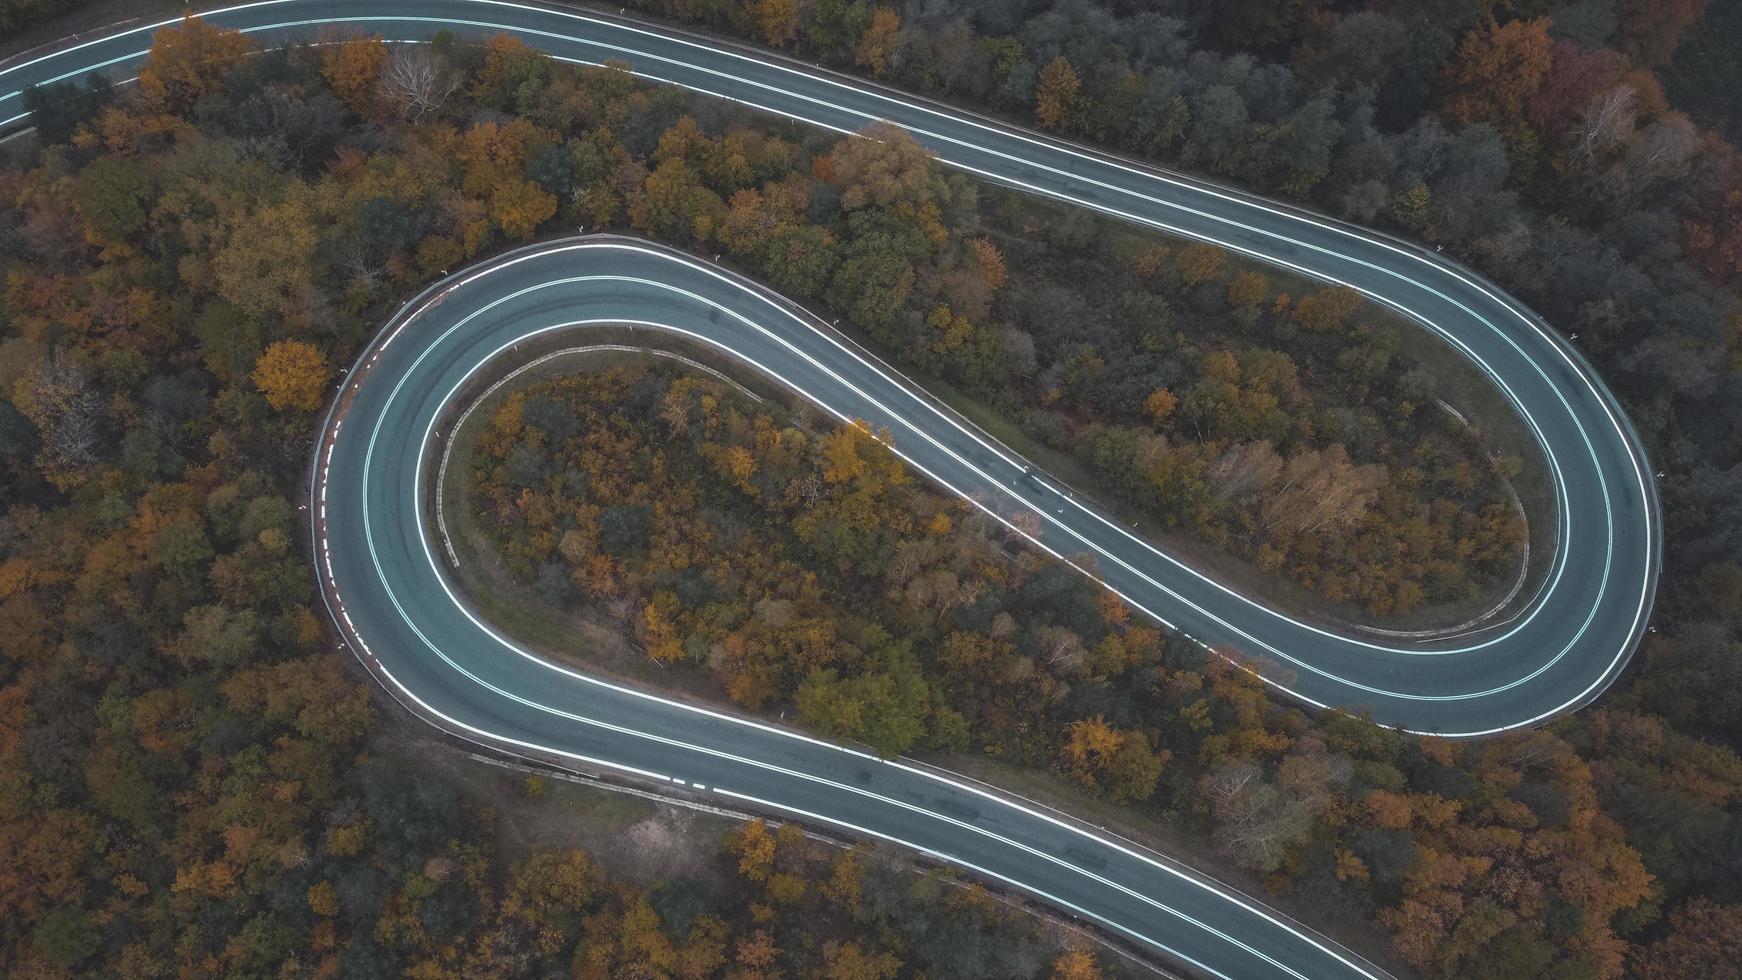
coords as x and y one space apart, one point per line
520 206
884 166
674 204
845 884
1055 92
354 68
853 454
188 61
293 376
753 845
777 20
266 263
879 42
1321 490
991 262
757 950
495 158
748 224
1201 262
1496 71
1249 287
1326 308
1076 964
1159 405
493 153
1152 261
322 899
1104 759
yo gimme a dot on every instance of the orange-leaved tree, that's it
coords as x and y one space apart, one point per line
1496 70
188 61
353 68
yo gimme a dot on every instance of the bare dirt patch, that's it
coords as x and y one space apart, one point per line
633 838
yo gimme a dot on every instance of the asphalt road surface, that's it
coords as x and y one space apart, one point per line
384 580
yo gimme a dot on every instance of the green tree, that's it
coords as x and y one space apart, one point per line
112 196
885 708
67 936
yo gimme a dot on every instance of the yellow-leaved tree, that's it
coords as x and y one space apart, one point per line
292 375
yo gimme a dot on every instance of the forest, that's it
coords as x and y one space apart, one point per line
190 787
798 565
188 261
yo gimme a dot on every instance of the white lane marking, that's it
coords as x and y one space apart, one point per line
429 709
1629 448
876 93
747 761
805 777
873 93
740 721
944 449
1044 895
372 660
1562 554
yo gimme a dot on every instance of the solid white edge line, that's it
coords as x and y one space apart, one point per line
370 660
871 90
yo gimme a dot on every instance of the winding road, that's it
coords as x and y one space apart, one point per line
387 589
